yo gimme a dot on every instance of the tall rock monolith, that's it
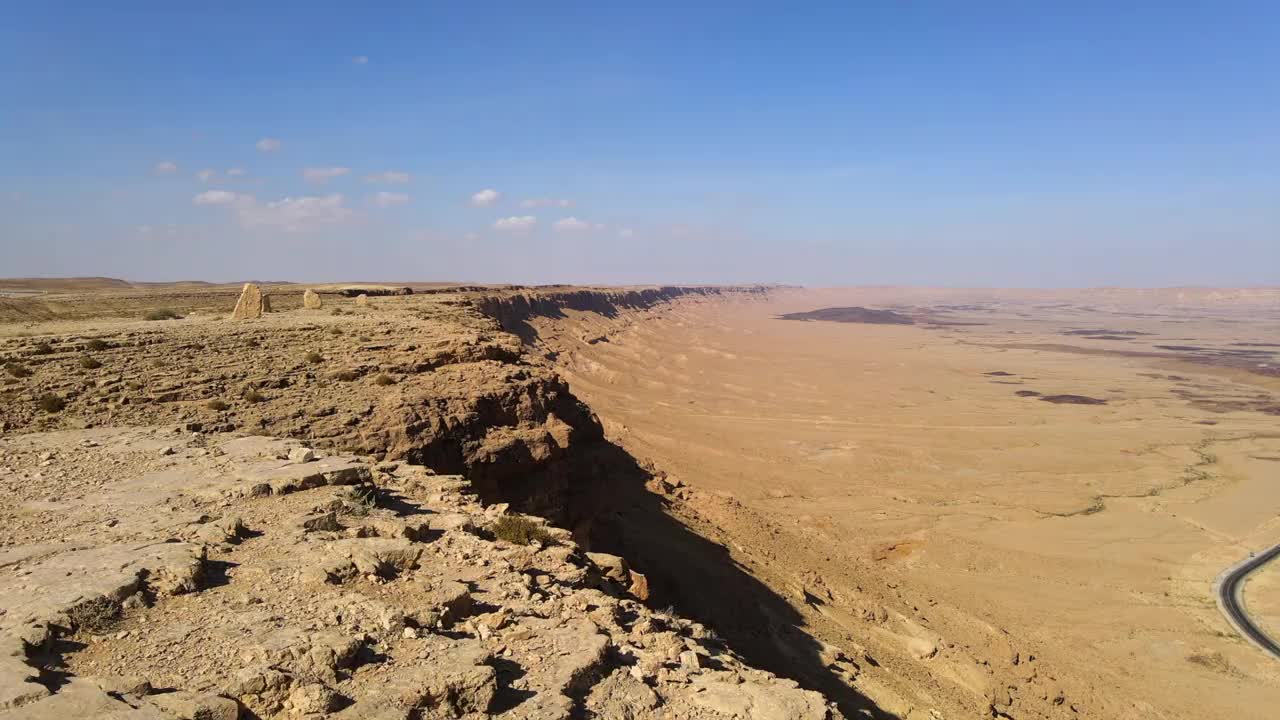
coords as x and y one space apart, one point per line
252 303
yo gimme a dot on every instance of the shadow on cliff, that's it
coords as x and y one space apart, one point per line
599 490
697 576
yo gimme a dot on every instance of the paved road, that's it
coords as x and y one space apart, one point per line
1229 585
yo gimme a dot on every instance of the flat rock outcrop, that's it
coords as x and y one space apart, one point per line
265 579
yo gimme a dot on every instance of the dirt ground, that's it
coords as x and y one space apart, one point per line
912 484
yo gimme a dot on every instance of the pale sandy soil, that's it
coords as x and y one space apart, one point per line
879 457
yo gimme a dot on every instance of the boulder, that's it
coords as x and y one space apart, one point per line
362 299
311 299
252 303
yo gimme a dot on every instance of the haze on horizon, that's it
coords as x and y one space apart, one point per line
991 144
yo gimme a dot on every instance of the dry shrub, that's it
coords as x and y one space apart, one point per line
51 403
17 370
216 405
89 363
43 348
96 345
314 357
162 314
345 375
252 396
95 616
519 530
384 380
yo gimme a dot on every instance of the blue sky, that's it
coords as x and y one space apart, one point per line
953 143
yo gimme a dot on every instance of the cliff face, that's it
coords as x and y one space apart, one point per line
514 311
431 381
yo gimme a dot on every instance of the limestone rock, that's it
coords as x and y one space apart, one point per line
252 303
311 299
196 706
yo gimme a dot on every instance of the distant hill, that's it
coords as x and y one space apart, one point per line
64 284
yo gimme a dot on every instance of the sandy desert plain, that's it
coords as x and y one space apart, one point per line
1003 503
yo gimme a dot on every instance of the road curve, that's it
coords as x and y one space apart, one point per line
1228 589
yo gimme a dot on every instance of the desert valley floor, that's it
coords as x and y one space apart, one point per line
920 468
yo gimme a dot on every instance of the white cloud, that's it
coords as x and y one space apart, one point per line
165 168
323 175
268 145
390 177
235 172
360 60
485 198
626 232
291 214
389 199
206 174
515 223
573 224
546 202
218 197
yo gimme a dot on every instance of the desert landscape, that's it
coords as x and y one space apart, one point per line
401 500
640 361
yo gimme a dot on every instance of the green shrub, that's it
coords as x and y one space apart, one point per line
384 380
51 403
96 345
162 314
519 531
216 405
43 348
17 370
89 363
